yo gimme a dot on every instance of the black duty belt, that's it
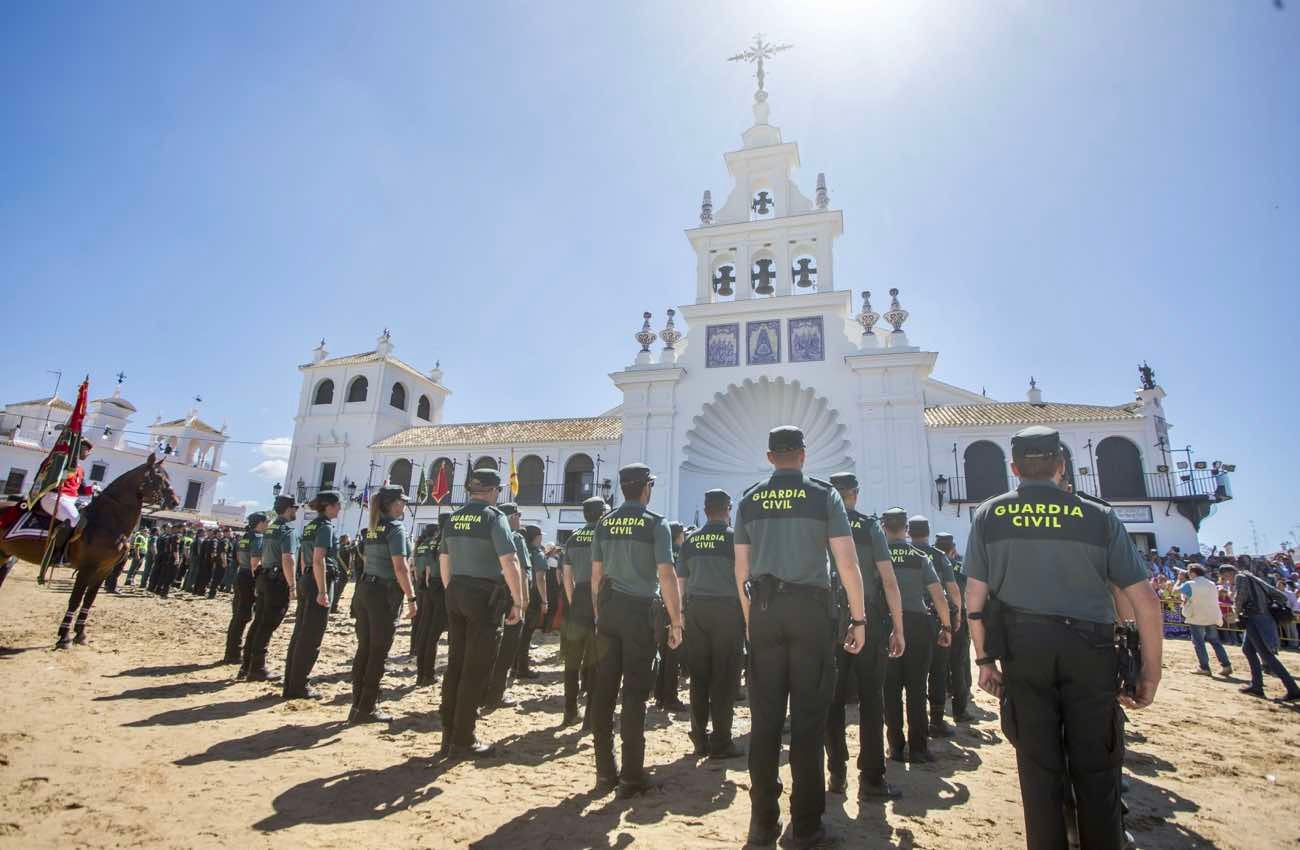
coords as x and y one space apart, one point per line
1101 630
369 579
489 583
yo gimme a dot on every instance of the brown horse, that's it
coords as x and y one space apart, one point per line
110 520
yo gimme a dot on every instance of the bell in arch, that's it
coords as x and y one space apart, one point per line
723 280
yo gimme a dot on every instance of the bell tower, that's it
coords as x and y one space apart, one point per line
767 239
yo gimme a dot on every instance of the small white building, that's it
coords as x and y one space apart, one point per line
190 447
771 337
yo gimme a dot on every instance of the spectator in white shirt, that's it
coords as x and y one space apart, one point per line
1202 614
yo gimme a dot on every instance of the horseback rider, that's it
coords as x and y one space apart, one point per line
61 502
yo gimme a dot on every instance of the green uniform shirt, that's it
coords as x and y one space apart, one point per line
788 521
537 559
915 572
631 542
942 566
326 537
869 540
476 537
521 552
708 562
250 544
577 553
382 545
1046 551
278 541
426 561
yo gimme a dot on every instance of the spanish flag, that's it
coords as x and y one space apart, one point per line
514 476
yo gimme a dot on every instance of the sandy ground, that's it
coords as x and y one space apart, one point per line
141 740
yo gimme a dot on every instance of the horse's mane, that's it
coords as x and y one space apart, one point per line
125 483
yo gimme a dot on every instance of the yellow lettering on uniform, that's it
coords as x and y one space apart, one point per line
1076 511
1000 510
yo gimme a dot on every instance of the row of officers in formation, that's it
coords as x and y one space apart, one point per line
819 602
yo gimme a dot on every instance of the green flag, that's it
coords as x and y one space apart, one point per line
422 493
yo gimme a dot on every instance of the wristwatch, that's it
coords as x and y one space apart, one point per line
861 622
944 627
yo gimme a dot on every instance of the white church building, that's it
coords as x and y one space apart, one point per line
772 337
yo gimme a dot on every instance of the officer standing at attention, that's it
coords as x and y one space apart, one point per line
480 569
715 627
430 604
384 583
249 554
959 652
506 649
885 639
578 634
631 557
917 579
275 589
538 602
667 671
918 529
1049 557
318 564
784 526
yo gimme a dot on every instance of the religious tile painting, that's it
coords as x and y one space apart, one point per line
722 345
763 342
807 342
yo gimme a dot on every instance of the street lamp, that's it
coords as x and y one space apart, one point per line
275 489
351 487
941 488
606 491
302 491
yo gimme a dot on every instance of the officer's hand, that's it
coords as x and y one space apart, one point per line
945 637
855 640
545 608
323 600
410 610
675 635
514 616
1146 692
956 621
991 680
897 646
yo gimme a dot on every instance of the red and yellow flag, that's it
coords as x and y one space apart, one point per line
514 476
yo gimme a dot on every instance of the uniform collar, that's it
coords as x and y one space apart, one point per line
1039 482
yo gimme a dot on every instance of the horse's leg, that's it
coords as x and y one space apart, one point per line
9 561
79 632
74 602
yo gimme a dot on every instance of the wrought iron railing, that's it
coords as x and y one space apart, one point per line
550 495
1150 487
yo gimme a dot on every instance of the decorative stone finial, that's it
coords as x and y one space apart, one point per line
646 336
435 374
1035 395
823 197
896 315
319 353
1148 376
868 318
670 335
706 208
384 345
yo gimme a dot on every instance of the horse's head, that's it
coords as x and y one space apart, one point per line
156 488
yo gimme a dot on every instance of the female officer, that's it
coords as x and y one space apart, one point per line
318 564
378 601
430 603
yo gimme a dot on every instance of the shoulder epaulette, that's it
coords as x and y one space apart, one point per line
492 510
654 516
820 482
1096 501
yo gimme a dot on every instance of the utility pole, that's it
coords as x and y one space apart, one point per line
1254 533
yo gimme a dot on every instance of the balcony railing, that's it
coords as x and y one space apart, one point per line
1153 487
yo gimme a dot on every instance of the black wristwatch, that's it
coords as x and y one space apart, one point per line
861 622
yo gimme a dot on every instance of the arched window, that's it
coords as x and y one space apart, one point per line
399 474
324 392
986 471
579 479
1119 469
398 398
358 388
442 462
488 462
422 409
1069 466
531 472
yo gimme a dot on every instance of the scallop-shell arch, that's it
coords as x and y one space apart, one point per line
730 433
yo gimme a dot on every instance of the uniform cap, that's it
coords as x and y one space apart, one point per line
918 526
943 539
393 491
487 476
593 509
716 500
635 473
283 503
508 508
531 531
844 481
784 438
324 499
1036 441
676 528
894 514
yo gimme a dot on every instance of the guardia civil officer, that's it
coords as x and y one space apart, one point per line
480 570
866 669
631 558
578 634
959 652
538 603
784 526
507 647
318 564
385 583
715 627
923 601
274 588
918 529
1050 558
248 552
430 603
667 671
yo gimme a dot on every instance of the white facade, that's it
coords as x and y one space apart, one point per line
771 338
190 447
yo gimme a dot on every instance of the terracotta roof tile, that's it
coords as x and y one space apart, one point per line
115 400
597 428
1024 413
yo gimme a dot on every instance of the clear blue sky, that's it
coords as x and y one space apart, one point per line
1059 189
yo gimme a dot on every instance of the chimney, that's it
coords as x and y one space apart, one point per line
1035 395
